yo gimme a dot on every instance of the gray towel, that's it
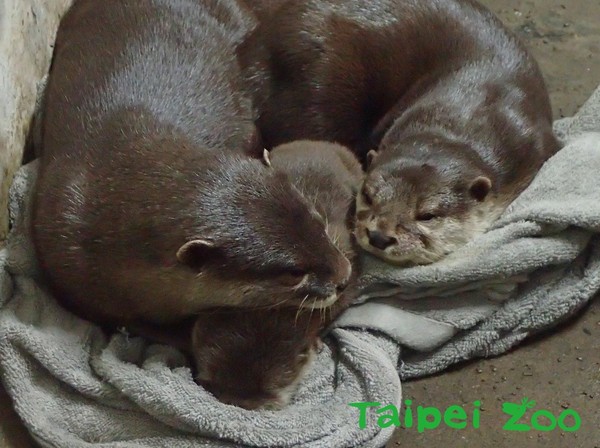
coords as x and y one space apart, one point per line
538 265
74 387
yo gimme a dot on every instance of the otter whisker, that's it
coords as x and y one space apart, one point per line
300 309
312 310
275 305
301 284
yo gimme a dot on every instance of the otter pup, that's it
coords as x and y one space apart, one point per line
256 358
453 103
328 175
148 207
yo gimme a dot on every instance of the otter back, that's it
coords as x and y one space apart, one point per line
147 205
451 100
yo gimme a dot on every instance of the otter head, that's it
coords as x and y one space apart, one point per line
415 210
254 359
261 243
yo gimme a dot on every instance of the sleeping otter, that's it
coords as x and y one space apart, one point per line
148 207
256 358
453 103
328 175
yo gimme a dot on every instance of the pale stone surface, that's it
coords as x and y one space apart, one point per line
27 32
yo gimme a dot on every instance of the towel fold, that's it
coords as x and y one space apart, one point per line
537 265
74 386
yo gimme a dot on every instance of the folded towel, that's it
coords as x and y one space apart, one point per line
535 267
75 387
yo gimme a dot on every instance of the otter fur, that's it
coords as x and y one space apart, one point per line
444 105
149 205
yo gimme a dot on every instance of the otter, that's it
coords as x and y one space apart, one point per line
328 175
444 105
150 205
256 358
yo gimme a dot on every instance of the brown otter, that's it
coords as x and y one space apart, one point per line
455 105
147 207
256 358
328 175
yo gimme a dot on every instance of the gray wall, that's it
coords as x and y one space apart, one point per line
27 32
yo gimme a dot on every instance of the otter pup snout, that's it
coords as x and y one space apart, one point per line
254 358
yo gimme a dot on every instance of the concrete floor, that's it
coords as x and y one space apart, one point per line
560 370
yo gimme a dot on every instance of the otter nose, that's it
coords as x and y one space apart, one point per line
379 240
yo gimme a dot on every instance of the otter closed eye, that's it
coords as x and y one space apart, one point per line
293 277
297 272
425 216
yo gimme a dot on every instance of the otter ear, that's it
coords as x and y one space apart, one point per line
265 158
480 188
195 253
371 156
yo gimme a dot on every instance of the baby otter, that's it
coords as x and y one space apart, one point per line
148 208
256 358
328 175
454 104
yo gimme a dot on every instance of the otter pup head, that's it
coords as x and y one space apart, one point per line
415 209
262 243
254 359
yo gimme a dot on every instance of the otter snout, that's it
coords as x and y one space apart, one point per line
390 241
380 240
324 293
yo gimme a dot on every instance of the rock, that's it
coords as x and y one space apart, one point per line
27 33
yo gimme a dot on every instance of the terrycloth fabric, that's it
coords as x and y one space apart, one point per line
73 387
538 265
